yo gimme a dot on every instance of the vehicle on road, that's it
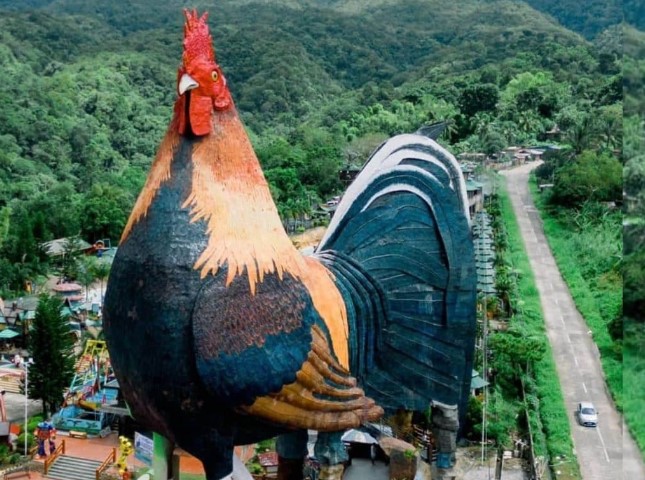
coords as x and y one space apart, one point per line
587 414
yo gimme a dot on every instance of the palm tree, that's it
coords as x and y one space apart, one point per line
101 272
580 135
85 273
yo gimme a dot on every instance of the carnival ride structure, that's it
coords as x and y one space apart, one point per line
88 393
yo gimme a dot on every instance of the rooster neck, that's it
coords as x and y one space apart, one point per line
230 194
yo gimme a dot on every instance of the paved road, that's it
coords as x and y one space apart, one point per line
603 452
362 469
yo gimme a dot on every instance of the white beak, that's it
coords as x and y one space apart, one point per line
186 83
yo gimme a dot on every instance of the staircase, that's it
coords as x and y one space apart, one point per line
73 468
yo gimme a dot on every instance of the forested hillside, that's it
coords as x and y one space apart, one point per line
589 17
635 13
88 88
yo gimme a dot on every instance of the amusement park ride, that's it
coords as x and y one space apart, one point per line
92 389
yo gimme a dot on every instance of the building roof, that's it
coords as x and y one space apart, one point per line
57 247
478 382
67 288
7 333
472 185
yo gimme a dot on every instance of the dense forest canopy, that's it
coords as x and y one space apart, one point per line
634 179
88 88
589 17
634 11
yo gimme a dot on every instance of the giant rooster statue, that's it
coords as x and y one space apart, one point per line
221 333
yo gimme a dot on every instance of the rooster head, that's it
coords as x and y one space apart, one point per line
200 83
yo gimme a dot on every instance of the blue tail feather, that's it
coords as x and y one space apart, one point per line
402 236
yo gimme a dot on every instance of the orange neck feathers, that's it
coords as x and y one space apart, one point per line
229 193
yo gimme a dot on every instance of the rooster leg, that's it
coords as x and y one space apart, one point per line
218 465
292 449
331 454
445 424
211 447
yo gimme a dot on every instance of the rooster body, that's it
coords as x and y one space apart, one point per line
222 334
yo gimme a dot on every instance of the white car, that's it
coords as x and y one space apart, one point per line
587 414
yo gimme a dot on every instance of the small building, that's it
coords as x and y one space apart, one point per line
348 173
554 133
477 383
269 463
476 157
18 315
475 192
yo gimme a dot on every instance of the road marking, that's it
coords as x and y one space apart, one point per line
603 444
562 319
584 387
573 353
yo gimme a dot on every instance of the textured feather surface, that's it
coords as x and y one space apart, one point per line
324 397
159 173
402 235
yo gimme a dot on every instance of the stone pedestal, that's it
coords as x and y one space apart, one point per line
403 458
403 465
445 423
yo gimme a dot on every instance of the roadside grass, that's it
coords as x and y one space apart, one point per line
634 376
543 387
589 253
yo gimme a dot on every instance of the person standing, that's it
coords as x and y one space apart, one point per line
373 452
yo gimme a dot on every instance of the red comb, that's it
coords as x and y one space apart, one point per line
197 38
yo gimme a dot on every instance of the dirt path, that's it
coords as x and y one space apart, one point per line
603 453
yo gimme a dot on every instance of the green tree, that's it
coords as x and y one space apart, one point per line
580 135
591 176
5 216
105 211
86 273
71 252
51 347
610 126
478 98
101 272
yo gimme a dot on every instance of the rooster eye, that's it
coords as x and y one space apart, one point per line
215 75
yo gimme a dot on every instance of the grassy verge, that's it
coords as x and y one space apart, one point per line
588 255
543 387
634 375
634 333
